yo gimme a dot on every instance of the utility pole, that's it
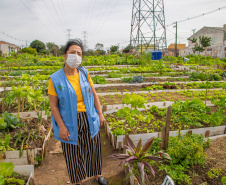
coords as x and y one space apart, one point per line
85 40
176 41
148 25
69 35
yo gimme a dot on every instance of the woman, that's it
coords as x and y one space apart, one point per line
76 116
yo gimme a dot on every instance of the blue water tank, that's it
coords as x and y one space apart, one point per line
156 55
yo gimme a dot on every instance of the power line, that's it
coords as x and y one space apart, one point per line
46 15
38 18
13 37
106 18
57 13
90 14
197 16
65 13
105 9
61 10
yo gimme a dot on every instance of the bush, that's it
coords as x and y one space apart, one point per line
185 152
29 50
99 80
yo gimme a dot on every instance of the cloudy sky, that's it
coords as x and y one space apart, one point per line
105 21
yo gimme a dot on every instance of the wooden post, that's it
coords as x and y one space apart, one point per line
165 130
225 130
207 134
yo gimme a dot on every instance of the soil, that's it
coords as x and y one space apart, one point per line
153 80
216 158
141 87
53 170
154 126
154 97
13 108
31 127
18 176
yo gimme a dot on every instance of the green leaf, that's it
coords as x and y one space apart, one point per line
2 181
14 180
3 124
223 180
6 169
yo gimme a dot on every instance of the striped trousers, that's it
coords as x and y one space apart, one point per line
85 158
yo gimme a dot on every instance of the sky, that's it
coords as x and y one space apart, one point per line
105 21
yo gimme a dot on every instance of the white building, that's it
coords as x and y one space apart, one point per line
6 47
218 42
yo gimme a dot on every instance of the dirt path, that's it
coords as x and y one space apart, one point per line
53 169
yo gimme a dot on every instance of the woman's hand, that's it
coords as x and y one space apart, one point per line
64 133
102 119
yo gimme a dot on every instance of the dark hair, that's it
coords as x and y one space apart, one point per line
77 42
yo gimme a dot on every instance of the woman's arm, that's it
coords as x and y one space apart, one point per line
98 106
53 102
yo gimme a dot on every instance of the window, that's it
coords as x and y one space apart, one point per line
209 49
214 40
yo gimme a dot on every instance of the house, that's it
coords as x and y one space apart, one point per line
6 47
171 49
218 42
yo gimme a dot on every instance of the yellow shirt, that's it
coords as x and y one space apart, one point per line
74 80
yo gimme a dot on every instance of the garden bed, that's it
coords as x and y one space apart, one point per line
193 116
215 159
34 146
163 95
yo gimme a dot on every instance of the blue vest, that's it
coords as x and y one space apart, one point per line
67 104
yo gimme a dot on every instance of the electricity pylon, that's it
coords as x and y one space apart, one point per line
148 25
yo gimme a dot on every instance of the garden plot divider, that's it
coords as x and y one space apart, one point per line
119 141
133 180
28 155
107 109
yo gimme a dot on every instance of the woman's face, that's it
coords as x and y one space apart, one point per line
74 49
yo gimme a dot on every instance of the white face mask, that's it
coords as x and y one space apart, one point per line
73 60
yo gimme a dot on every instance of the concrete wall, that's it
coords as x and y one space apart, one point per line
218 43
6 48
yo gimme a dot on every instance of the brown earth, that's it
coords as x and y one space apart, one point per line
153 126
53 170
155 97
216 158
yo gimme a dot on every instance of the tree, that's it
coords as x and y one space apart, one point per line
29 50
50 45
99 46
99 52
127 49
38 45
90 52
114 48
44 51
204 42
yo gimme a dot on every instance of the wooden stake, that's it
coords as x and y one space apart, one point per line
165 130
207 134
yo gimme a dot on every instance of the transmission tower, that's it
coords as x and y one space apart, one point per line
148 25
69 35
85 40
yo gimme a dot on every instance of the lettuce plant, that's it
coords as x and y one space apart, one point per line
138 160
6 170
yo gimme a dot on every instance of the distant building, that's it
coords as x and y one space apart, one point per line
218 42
171 49
6 47
144 48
